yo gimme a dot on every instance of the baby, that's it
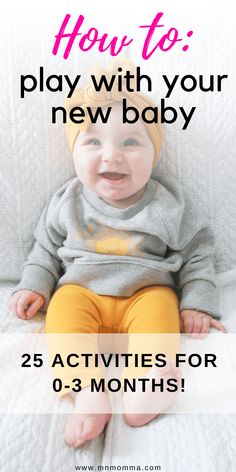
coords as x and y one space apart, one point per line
115 246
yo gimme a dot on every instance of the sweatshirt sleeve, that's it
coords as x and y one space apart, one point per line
191 239
43 266
197 278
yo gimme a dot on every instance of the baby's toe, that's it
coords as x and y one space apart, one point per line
91 428
73 431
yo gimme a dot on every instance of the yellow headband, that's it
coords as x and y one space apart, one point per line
89 97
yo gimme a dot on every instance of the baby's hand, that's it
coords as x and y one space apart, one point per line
198 323
25 303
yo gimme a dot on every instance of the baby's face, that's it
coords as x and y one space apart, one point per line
115 159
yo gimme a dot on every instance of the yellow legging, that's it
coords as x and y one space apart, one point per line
75 309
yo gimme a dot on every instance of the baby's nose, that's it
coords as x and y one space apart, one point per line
111 154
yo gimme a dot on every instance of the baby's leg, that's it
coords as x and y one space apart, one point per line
72 322
153 310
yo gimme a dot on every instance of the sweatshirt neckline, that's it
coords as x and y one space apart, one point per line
121 213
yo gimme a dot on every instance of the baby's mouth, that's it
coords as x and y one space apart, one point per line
113 175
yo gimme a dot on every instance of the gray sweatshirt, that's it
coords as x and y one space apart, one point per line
160 240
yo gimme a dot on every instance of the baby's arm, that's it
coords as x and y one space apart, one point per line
43 266
197 283
25 303
190 249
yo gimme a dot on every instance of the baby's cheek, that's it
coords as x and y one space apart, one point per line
81 169
87 175
142 171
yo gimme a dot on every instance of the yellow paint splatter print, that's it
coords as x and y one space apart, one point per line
104 240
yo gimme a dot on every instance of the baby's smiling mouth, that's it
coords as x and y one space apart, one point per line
113 175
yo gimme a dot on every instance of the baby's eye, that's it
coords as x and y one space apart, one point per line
131 142
93 141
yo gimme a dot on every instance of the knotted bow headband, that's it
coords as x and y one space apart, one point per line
89 97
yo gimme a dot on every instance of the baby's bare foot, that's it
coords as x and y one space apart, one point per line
91 413
141 407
